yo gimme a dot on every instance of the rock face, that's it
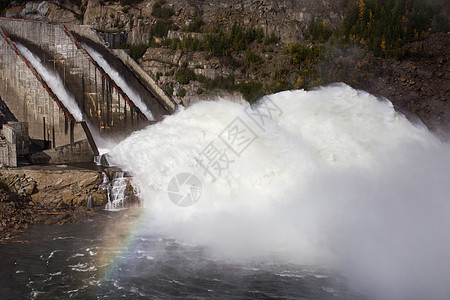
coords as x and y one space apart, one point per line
50 195
418 87
46 11
161 63
288 18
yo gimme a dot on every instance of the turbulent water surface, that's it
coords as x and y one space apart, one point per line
112 257
326 194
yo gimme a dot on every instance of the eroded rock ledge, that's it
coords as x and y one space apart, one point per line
56 194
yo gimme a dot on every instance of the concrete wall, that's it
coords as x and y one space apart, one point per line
17 133
30 102
113 39
104 104
157 90
8 154
88 33
98 97
14 142
77 152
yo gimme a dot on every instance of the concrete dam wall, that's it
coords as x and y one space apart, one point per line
31 101
70 51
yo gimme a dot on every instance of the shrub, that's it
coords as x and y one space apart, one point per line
386 26
271 39
159 11
136 51
184 75
252 58
216 43
195 26
319 30
220 82
170 89
181 92
174 44
251 91
280 74
301 53
4 186
160 29
259 35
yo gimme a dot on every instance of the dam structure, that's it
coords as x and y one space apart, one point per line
77 57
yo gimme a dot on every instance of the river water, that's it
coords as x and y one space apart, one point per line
108 257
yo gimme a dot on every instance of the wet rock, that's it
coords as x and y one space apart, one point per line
67 197
47 195
80 201
91 181
99 198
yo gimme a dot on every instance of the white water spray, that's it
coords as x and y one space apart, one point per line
118 79
116 192
54 81
339 179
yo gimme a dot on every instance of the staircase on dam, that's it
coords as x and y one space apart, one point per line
111 106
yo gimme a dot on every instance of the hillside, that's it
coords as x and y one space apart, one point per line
195 48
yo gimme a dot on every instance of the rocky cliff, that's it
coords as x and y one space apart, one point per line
288 18
418 87
162 36
47 195
46 10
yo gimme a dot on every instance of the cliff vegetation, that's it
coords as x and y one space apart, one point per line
195 49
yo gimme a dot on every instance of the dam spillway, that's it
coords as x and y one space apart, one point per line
106 106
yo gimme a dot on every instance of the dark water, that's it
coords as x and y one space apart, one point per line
109 257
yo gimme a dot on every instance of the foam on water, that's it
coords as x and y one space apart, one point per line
337 178
120 81
54 81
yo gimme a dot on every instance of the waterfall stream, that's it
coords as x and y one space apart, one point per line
119 80
54 81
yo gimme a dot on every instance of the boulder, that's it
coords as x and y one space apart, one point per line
99 198
37 198
67 197
80 200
